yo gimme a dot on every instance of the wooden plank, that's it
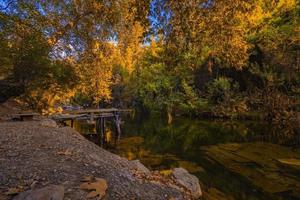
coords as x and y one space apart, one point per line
97 111
66 117
25 116
125 110
89 111
104 115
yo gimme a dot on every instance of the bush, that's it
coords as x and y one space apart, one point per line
221 89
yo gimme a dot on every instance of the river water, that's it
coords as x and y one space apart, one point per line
234 160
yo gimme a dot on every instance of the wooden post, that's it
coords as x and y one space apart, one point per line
103 126
72 123
118 124
98 125
92 117
170 118
100 129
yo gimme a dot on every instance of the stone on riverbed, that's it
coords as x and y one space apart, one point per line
51 192
272 168
187 180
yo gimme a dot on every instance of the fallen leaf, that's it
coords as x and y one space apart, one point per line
65 153
99 188
165 172
13 191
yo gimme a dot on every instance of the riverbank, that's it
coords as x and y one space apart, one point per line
38 153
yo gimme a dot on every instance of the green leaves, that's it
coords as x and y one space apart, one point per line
221 89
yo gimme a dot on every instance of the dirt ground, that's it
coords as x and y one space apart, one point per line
35 154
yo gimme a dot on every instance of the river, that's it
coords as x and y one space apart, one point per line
234 160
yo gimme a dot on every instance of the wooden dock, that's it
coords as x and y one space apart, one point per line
98 115
25 116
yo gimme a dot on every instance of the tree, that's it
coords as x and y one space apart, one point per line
45 33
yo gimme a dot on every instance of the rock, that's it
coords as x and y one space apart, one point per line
48 123
51 192
250 159
140 167
187 180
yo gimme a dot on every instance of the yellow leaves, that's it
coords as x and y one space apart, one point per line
96 73
285 5
51 41
257 16
130 45
97 188
96 46
166 173
49 100
96 5
265 9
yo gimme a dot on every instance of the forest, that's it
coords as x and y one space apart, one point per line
196 58
150 99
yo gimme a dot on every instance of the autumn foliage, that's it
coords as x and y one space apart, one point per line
182 57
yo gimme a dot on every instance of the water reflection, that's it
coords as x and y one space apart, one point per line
107 140
212 150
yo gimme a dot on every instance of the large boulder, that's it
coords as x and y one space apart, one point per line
188 181
48 123
136 164
51 192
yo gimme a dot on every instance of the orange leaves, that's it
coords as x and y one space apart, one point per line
51 41
97 188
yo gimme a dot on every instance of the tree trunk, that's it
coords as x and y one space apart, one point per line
170 118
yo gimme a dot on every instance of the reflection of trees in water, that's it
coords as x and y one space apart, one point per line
286 135
186 134
274 133
278 133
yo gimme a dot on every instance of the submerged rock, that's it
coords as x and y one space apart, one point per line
187 180
51 192
270 167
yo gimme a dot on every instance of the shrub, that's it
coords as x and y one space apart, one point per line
220 90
